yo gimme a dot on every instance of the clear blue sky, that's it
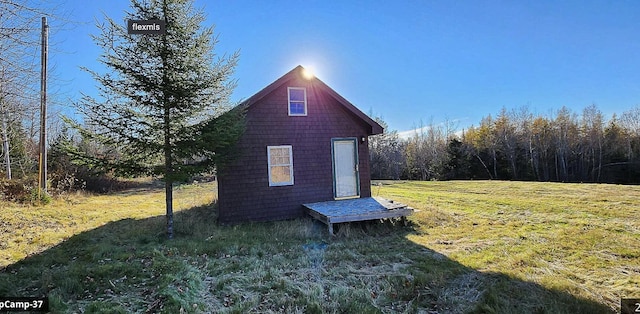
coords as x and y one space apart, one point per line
412 61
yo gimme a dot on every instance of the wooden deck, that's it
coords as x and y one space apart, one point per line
358 209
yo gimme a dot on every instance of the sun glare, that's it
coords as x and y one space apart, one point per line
307 72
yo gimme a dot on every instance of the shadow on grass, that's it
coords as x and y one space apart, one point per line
291 266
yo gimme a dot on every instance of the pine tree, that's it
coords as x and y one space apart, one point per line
161 101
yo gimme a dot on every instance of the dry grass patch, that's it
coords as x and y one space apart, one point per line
583 239
27 229
474 247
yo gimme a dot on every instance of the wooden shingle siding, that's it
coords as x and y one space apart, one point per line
244 192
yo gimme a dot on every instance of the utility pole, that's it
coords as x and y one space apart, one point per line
43 107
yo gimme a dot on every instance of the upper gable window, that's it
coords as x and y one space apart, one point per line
297 101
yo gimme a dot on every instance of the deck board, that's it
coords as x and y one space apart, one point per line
359 209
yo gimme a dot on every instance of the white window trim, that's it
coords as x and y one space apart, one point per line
290 164
289 101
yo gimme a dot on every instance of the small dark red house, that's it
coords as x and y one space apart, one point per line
303 143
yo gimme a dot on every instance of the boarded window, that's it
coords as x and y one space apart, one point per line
297 101
280 160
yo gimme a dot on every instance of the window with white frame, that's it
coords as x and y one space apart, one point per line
297 101
280 162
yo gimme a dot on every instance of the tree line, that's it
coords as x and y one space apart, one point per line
19 93
516 144
20 77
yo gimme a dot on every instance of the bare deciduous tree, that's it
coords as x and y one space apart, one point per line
20 46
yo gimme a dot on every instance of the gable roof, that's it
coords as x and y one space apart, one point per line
297 72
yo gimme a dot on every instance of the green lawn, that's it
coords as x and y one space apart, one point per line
582 239
473 246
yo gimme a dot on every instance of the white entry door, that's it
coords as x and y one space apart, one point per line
345 168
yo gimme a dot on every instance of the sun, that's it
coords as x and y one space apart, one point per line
307 72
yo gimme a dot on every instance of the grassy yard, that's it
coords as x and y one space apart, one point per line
474 246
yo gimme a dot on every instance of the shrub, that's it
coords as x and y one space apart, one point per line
16 190
66 176
62 182
39 197
24 190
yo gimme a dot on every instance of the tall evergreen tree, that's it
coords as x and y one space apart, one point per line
162 98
